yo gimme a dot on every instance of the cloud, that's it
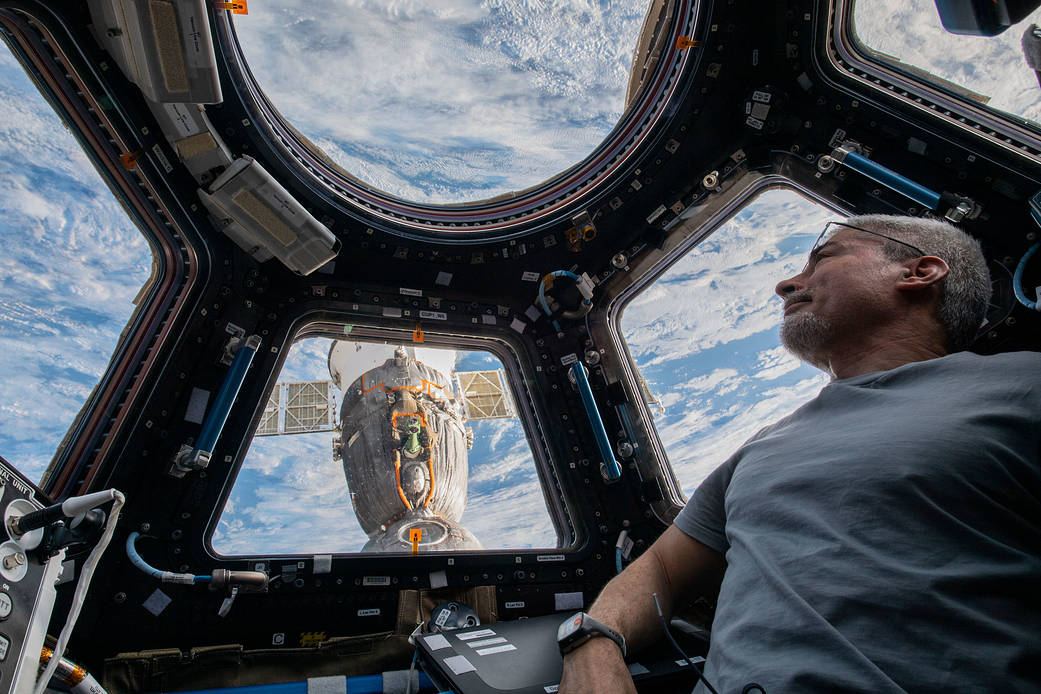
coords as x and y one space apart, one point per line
72 264
457 101
991 66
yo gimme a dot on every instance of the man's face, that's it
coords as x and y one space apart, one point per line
845 287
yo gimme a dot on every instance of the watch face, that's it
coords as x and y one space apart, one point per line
569 627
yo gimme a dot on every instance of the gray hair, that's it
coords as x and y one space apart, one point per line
965 292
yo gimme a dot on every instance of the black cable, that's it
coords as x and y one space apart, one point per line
665 628
751 687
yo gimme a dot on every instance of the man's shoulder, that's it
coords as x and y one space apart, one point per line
1017 362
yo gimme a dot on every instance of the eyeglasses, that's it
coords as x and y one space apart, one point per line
831 228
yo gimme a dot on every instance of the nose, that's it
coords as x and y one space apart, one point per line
786 287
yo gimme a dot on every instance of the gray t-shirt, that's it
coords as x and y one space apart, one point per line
885 536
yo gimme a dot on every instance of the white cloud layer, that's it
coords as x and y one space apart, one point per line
450 101
71 266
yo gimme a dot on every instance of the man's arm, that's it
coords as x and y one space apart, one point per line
676 567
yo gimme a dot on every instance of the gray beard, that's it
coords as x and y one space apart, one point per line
804 334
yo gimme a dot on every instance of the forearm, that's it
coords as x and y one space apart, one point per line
627 606
675 567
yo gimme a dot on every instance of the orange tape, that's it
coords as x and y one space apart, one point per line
238 7
430 467
415 536
397 479
684 42
129 160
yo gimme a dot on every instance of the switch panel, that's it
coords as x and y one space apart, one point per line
27 583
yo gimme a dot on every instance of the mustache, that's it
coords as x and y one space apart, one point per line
796 297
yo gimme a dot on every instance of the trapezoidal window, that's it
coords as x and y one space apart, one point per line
72 270
446 102
704 335
986 70
365 447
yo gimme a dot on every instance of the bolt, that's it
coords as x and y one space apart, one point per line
15 560
592 357
580 572
619 260
119 598
825 164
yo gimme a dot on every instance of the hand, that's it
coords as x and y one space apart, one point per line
596 666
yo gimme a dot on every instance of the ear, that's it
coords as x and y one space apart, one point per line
922 273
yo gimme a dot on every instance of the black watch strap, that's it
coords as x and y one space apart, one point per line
580 627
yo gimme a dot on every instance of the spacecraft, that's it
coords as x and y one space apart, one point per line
261 241
402 436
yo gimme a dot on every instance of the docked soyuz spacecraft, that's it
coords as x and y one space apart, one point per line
403 443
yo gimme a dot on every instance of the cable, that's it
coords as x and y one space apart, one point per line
1017 279
164 576
619 550
665 628
411 669
86 573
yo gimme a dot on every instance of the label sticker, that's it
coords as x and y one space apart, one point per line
550 557
370 612
375 581
551 688
442 617
196 409
410 292
158 152
436 642
433 315
519 605
157 602
438 579
458 664
530 277
182 118
323 563
761 97
568 601
486 642
696 659
391 312
480 633
496 649
657 213
487 320
569 359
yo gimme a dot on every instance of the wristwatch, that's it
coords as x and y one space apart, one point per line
579 628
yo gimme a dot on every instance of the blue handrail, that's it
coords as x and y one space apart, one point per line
891 179
612 469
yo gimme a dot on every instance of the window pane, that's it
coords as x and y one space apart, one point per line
989 70
705 334
71 267
446 102
402 423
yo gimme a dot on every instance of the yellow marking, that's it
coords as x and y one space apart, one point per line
415 536
239 7
309 639
685 42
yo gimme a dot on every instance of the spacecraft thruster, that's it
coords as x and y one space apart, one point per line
404 447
